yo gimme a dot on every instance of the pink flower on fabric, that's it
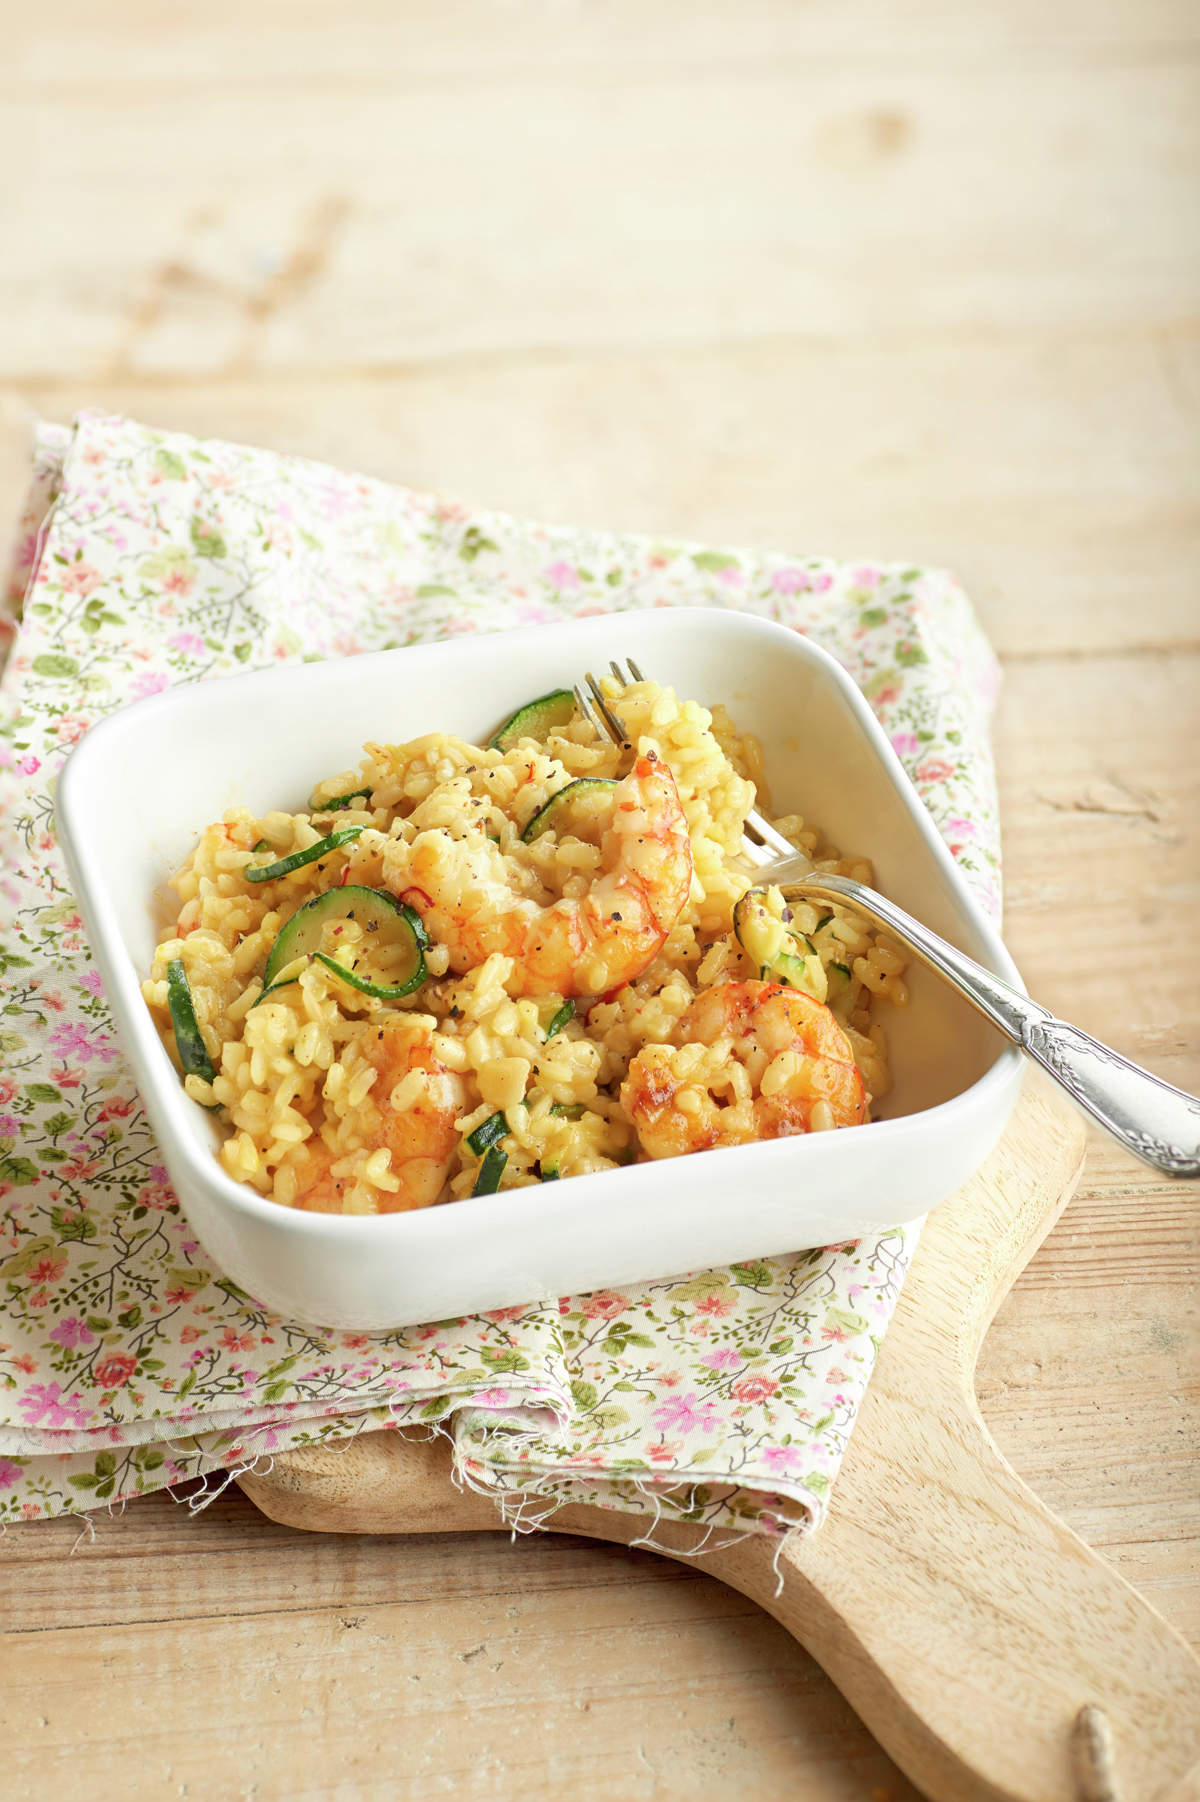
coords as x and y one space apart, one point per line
44 1404
779 1459
112 1371
190 643
789 581
47 1269
10 1126
73 1331
664 1453
717 1306
70 729
334 500
605 1304
754 1389
562 574
74 1040
159 1196
81 578
686 1413
151 682
822 582
960 828
29 765
726 1359
238 1341
904 744
493 1398
865 576
92 981
732 576
10 1473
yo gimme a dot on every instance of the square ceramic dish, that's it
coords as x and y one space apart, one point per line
141 786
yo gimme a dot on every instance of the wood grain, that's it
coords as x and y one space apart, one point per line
1054 472
935 1548
916 282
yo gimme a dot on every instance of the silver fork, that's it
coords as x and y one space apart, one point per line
764 847
1156 1122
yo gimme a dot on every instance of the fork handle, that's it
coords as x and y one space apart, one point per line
1156 1122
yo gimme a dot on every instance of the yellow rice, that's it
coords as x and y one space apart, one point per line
294 1071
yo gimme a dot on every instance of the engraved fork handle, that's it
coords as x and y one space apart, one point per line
1156 1122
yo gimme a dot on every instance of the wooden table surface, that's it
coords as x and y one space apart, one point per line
907 281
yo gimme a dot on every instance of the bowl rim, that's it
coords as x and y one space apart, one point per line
152 1066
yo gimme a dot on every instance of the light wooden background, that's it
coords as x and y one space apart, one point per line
897 278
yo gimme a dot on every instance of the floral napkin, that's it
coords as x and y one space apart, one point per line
128 1363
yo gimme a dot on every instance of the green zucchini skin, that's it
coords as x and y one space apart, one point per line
193 1053
487 1134
338 803
553 811
490 1171
766 939
565 1013
301 936
283 866
535 719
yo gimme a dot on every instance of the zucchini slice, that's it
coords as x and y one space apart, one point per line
781 955
490 1171
536 719
486 1134
559 811
283 866
566 1012
395 936
193 1053
336 803
288 974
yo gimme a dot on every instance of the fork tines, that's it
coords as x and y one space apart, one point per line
761 842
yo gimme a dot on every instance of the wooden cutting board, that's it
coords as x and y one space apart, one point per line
965 1623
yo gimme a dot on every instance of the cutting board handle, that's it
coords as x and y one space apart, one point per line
965 1623
971 1654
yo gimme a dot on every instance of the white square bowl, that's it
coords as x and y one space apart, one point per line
139 789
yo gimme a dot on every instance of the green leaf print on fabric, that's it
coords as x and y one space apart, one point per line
57 667
206 540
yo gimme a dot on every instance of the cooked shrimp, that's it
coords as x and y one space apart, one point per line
754 1061
582 945
415 1100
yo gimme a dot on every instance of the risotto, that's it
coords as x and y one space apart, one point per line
464 968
